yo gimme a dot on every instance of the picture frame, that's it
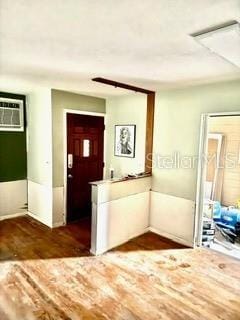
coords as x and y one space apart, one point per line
125 140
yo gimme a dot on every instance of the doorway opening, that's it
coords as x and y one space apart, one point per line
220 197
84 163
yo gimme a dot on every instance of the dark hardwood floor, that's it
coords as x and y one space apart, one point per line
49 274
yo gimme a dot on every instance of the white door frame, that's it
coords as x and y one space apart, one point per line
86 113
219 138
202 169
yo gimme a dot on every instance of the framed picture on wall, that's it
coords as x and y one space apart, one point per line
125 140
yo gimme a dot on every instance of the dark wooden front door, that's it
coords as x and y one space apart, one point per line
84 162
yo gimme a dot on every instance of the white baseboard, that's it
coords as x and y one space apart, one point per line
27 213
97 253
58 224
104 250
165 235
138 234
14 215
39 219
58 207
171 237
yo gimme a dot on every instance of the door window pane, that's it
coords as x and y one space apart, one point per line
86 148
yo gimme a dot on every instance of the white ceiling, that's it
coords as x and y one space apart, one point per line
63 44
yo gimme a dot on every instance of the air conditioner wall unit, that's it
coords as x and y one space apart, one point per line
11 114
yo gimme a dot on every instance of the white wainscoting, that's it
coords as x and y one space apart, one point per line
13 198
40 203
58 207
115 222
172 217
120 211
109 191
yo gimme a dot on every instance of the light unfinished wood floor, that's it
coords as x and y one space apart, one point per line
49 274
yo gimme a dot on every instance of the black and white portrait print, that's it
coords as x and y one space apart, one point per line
125 140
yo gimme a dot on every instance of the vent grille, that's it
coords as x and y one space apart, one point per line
11 115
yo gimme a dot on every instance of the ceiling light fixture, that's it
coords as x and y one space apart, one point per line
223 40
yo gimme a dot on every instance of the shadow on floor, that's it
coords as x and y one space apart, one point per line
24 238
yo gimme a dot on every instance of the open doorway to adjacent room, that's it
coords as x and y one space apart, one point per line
220 196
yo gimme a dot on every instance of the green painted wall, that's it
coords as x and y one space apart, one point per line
13 154
13 157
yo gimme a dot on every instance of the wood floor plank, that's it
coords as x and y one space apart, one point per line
50 274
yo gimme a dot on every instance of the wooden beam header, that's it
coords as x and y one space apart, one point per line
121 85
150 116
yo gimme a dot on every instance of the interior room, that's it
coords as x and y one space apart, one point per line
119 159
221 202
